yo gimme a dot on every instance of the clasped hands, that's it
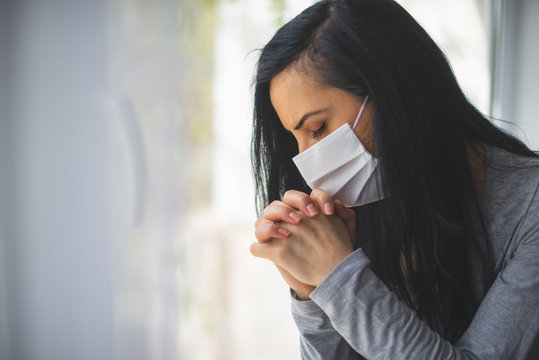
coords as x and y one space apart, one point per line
305 236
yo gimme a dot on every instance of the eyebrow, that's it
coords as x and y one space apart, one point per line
307 115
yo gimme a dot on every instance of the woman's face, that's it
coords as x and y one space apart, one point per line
311 111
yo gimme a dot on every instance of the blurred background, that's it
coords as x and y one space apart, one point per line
126 200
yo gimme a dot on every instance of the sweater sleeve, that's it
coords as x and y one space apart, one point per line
378 325
318 338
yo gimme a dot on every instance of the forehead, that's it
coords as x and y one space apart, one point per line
294 93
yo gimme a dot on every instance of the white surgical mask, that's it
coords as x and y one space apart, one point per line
340 165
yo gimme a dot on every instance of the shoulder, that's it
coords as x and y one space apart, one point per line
507 166
511 180
511 198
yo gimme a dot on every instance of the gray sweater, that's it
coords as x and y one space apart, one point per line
353 315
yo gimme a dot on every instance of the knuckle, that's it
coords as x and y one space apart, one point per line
287 195
273 209
262 232
260 222
320 194
275 214
315 194
296 199
292 194
257 231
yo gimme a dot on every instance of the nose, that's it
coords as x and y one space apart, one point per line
304 144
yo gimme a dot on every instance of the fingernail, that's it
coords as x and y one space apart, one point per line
328 208
294 216
283 231
311 209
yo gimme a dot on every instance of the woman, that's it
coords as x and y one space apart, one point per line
420 237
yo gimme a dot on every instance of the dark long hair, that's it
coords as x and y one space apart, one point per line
424 131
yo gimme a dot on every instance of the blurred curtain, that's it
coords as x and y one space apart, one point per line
514 71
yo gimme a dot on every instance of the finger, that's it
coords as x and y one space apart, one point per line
324 201
279 211
301 201
265 230
343 212
266 251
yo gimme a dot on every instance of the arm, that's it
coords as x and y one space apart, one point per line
379 326
318 337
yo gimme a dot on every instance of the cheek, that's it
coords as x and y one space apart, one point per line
364 133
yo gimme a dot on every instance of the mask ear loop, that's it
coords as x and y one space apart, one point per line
360 111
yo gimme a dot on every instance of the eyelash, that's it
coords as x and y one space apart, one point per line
319 132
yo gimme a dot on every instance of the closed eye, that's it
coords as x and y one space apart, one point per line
318 133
